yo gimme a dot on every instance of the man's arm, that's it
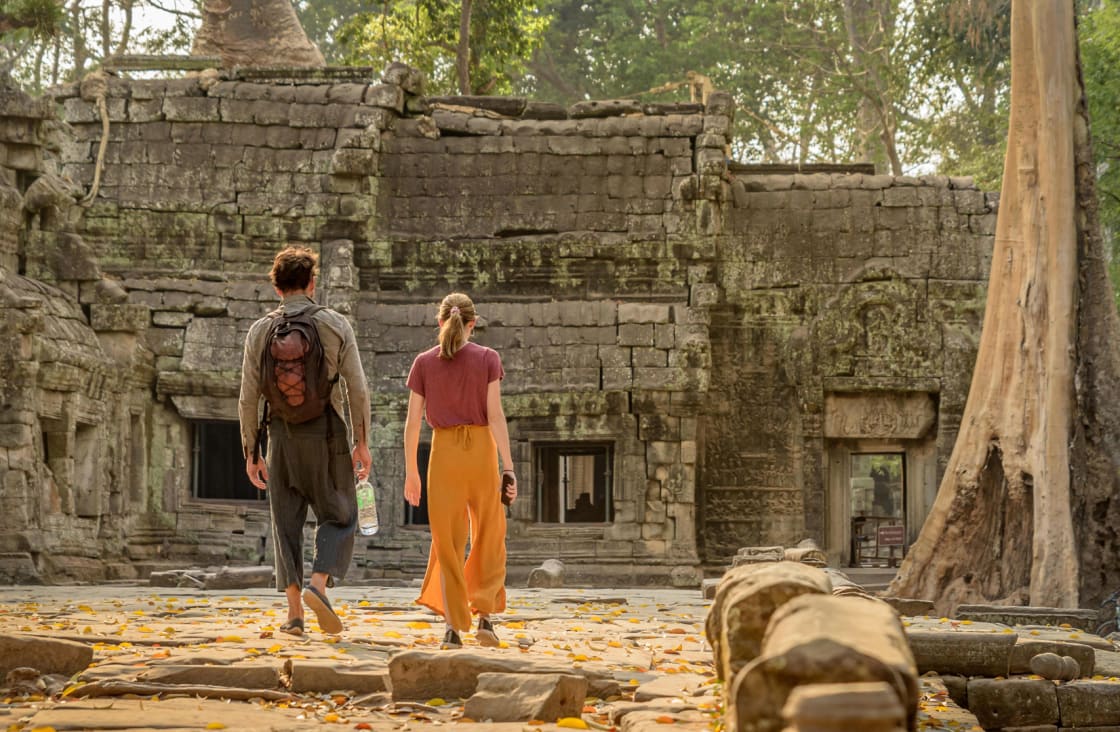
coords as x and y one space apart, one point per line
248 404
357 392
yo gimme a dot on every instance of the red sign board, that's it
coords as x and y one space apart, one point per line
892 535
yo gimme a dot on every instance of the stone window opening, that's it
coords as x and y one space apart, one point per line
418 515
573 482
217 465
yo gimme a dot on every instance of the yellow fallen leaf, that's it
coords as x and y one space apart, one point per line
516 625
392 634
215 725
437 702
571 723
364 603
579 657
614 644
330 717
419 625
274 648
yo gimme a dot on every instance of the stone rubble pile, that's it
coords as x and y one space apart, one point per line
801 649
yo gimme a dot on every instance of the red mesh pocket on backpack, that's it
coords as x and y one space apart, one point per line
289 350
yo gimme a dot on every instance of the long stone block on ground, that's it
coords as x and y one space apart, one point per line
973 650
46 655
525 697
820 639
1002 703
1089 703
424 675
1009 615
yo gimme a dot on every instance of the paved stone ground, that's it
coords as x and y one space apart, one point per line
650 640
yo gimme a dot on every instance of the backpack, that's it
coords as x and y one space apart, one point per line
293 370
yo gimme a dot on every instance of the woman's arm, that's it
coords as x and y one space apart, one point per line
411 444
498 426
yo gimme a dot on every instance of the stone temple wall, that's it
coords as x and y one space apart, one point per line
699 320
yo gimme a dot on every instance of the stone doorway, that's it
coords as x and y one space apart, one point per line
881 475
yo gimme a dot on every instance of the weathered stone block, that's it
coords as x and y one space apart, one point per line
323 677
45 655
1002 703
129 317
425 674
744 603
1089 703
962 650
524 697
1009 615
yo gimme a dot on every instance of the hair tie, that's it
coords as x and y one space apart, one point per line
454 309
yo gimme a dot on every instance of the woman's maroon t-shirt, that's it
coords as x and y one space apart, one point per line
455 391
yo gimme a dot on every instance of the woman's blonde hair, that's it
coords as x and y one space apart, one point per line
455 312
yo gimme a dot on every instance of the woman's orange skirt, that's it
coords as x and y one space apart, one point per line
464 500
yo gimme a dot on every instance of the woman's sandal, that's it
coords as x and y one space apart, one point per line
293 627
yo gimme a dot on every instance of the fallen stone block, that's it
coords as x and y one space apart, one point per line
758 555
549 575
1001 703
868 707
1106 663
325 676
239 578
667 687
1069 635
617 711
983 650
525 697
745 600
426 674
806 552
910 607
822 639
1026 648
1089 703
1012 615
250 677
45 655
686 720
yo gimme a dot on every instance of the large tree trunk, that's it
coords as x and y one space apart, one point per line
254 33
1038 442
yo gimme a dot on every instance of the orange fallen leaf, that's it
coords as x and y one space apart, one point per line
666 719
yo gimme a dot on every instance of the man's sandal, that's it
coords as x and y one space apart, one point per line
293 627
324 613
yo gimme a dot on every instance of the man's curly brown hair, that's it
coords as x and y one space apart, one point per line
293 268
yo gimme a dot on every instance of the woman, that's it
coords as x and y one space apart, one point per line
456 387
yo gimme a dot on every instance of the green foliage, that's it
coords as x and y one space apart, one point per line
1100 57
425 34
39 17
323 20
965 65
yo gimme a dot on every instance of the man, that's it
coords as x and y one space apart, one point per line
310 460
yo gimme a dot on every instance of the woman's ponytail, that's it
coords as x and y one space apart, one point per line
455 312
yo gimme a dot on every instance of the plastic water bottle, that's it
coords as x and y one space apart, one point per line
367 508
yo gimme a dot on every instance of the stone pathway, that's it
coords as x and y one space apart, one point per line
174 648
